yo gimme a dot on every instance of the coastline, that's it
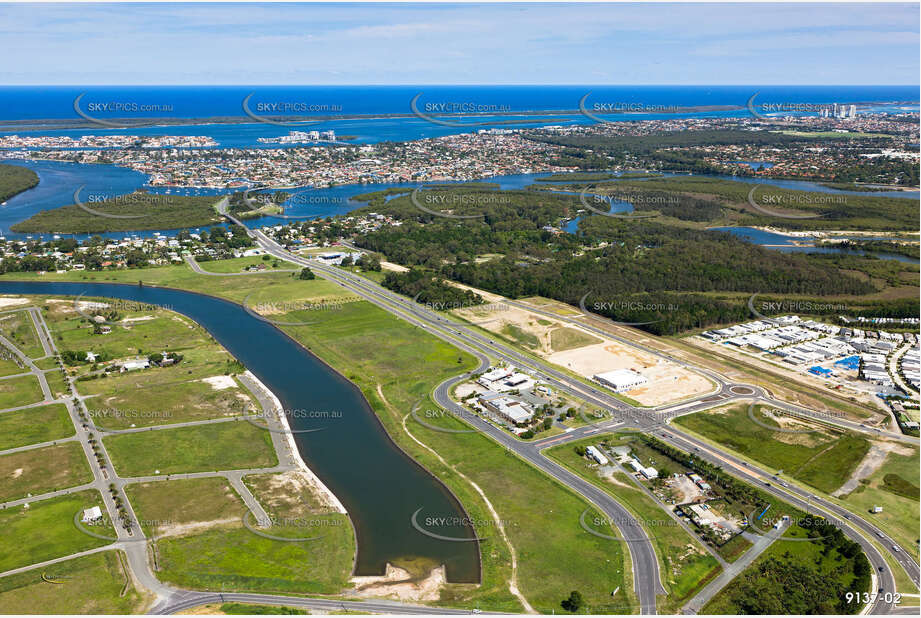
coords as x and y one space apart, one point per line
329 496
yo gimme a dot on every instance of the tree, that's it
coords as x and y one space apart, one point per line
306 274
574 602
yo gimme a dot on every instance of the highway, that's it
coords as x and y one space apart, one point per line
647 420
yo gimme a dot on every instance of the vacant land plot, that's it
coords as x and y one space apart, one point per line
219 446
819 456
893 486
162 396
288 494
93 584
43 470
19 328
587 354
185 506
45 530
238 559
10 367
20 391
34 426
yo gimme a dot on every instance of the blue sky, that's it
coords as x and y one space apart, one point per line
459 44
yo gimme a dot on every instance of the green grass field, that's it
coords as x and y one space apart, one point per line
18 327
93 584
220 446
824 458
45 530
21 391
683 561
900 512
43 470
34 426
237 559
565 338
163 505
9 367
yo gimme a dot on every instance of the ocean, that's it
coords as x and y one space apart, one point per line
336 103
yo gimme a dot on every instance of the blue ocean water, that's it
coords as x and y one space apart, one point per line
183 102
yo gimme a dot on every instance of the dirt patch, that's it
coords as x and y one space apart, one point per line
174 530
286 492
870 463
7 301
219 383
399 585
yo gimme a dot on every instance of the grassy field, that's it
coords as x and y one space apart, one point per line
565 338
43 470
236 265
683 562
237 559
220 446
45 530
202 543
824 458
18 327
93 584
900 510
9 367
376 350
278 286
34 426
21 391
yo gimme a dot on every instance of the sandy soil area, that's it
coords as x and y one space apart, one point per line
8 301
397 584
219 383
667 381
870 464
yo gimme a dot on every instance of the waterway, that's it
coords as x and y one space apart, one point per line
378 484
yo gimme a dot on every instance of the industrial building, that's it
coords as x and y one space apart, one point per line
621 380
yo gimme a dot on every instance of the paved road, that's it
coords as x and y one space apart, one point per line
760 542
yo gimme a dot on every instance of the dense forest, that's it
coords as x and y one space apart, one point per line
15 179
675 278
136 211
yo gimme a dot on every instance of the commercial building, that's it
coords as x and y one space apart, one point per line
512 410
596 455
621 380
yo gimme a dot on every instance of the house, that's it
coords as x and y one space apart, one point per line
91 514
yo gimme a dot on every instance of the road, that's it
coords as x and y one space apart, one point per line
644 419
759 544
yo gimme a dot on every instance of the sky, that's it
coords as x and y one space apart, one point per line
706 44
